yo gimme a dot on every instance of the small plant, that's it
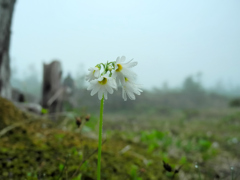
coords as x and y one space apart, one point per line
155 139
170 170
79 177
134 173
204 145
114 73
44 111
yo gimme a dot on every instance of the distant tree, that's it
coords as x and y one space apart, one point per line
69 82
165 87
192 86
6 13
193 92
235 102
80 78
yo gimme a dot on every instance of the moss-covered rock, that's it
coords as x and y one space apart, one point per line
9 114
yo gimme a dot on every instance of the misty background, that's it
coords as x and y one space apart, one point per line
182 47
185 124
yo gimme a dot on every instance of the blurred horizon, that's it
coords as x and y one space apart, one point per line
170 41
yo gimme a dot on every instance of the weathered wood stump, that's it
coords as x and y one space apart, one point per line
6 13
52 92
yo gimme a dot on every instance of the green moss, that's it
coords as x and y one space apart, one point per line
40 150
9 114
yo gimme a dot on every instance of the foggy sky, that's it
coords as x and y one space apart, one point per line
169 39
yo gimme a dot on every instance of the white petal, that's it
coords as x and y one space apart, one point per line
109 89
117 79
123 58
114 75
130 64
131 95
95 90
113 84
124 96
137 92
100 78
129 74
105 95
118 59
97 73
90 87
99 95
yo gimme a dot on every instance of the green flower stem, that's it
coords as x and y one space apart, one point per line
232 172
199 175
100 140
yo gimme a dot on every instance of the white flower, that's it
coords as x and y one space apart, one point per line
114 73
130 89
93 74
102 85
123 70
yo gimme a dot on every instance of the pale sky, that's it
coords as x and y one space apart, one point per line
170 39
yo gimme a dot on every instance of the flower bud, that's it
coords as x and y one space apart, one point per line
110 67
87 117
78 121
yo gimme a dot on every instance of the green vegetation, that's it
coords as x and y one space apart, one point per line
134 146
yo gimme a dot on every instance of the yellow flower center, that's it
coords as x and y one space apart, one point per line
126 79
93 71
119 68
104 81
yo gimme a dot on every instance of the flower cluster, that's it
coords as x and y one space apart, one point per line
116 73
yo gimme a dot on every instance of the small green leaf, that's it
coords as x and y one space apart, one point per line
61 166
44 111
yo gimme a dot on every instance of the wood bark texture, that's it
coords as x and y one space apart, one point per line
52 88
6 14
